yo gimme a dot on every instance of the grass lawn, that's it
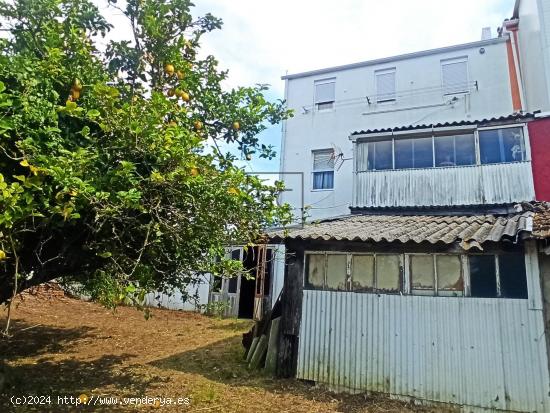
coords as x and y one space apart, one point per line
67 347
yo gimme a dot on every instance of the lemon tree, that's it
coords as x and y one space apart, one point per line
111 173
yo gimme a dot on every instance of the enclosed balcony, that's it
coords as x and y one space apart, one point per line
443 167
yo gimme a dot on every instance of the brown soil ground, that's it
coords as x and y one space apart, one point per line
66 347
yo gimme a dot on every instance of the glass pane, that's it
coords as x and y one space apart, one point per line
387 272
422 272
232 287
323 160
323 180
336 271
403 153
380 155
483 276
513 145
449 273
465 149
444 151
422 153
362 272
502 145
315 271
454 150
513 279
490 146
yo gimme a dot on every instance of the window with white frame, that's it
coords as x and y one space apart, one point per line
454 76
323 169
385 85
325 92
501 275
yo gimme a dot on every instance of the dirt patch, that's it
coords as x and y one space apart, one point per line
67 347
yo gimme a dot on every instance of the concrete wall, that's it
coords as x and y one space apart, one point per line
534 48
195 296
420 100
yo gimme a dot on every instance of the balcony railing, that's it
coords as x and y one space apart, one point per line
464 185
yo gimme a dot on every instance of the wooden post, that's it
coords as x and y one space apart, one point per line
287 357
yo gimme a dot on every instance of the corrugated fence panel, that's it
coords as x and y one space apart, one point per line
488 353
481 184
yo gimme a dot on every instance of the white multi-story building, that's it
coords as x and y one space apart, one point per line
463 83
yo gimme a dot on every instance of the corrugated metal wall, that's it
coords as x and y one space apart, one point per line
481 184
471 351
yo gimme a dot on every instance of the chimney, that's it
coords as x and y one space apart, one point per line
486 33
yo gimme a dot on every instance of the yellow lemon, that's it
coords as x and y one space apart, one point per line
169 69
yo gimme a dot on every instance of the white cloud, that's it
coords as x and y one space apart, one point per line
261 40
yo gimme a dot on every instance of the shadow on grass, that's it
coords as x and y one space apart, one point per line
222 362
235 325
26 375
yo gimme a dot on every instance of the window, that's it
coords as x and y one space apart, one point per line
436 275
362 273
498 276
388 271
454 74
501 145
336 271
323 169
413 153
326 271
422 274
324 94
455 150
385 85
380 272
315 270
380 155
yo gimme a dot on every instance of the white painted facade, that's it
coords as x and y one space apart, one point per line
420 99
534 50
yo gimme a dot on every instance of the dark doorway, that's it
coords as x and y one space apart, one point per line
246 296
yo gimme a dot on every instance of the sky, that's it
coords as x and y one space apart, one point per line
261 40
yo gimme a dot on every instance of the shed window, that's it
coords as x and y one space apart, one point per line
501 145
323 169
325 93
362 273
413 153
388 271
422 274
454 73
455 150
385 85
498 276
449 275
380 155
336 271
513 279
315 271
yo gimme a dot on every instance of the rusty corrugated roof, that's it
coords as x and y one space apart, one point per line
469 231
541 220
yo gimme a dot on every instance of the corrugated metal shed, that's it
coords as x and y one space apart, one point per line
516 117
467 230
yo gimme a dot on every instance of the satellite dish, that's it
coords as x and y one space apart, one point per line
338 156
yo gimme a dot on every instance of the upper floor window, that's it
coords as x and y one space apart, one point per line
495 146
385 85
501 145
454 75
325 94
323 169
455 150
